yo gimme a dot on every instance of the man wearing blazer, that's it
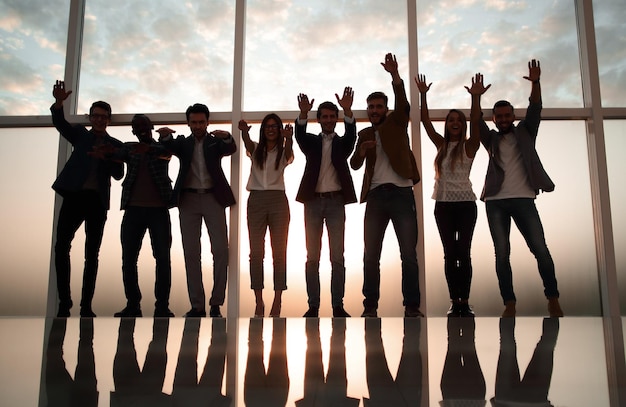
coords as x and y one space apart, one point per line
202 192
325 189
390 173
85 185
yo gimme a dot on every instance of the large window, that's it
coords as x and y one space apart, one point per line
32 54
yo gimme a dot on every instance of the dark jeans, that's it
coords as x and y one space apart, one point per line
329 210
456 221
79 207
134 225
390 203
524 213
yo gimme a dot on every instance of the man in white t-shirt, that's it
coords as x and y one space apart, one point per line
514 177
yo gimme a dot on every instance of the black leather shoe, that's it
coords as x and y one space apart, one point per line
339 312
163 313
412 311
214 311
63 312
129 312
455 310
313 312
465 310
369 312
86 312
195 313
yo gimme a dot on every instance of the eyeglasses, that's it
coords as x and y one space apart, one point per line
99 116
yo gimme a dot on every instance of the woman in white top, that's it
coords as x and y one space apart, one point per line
267 204
455 207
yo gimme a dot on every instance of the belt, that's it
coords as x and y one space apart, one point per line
330 194
199 190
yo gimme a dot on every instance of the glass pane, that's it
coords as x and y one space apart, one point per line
318 48
566 215
27 214
142 58
32 44
615 147
497 39
611 42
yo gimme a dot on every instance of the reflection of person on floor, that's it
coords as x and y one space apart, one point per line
271 388
61 390
207 392
462 380
333 391
135 386
406 390
532 389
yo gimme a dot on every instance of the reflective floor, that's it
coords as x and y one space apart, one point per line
529 361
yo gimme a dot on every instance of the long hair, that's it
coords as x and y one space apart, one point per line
458 151
260 152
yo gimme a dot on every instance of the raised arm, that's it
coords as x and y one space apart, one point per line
245 135
346 101
436 138
391 65
477 89
534 73
287 133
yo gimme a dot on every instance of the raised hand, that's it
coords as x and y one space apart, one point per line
346 100
243 126
164 132
390 64
477 87
287 132
534 71
420 81
304 104
59 92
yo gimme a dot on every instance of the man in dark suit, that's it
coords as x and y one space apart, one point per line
146 199
325 189
85 185
201 193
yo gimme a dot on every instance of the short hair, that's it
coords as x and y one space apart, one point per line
141 116
378 95
502 103
102 105
328 106
197 108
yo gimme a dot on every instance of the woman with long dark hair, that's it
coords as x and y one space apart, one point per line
455 207
267 204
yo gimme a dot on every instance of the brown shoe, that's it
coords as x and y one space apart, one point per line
509 309
554 308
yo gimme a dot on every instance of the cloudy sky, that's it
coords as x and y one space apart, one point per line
161 56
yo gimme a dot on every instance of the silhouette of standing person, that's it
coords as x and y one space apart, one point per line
85 185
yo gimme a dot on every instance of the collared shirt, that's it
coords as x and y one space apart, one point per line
383 171
269 177
198 176
327 181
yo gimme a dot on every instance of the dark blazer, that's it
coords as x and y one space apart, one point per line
526 135
311 146
395 142
214 149
74 174
158 165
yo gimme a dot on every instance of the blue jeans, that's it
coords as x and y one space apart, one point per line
135 222
329 210
390 203
524 213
